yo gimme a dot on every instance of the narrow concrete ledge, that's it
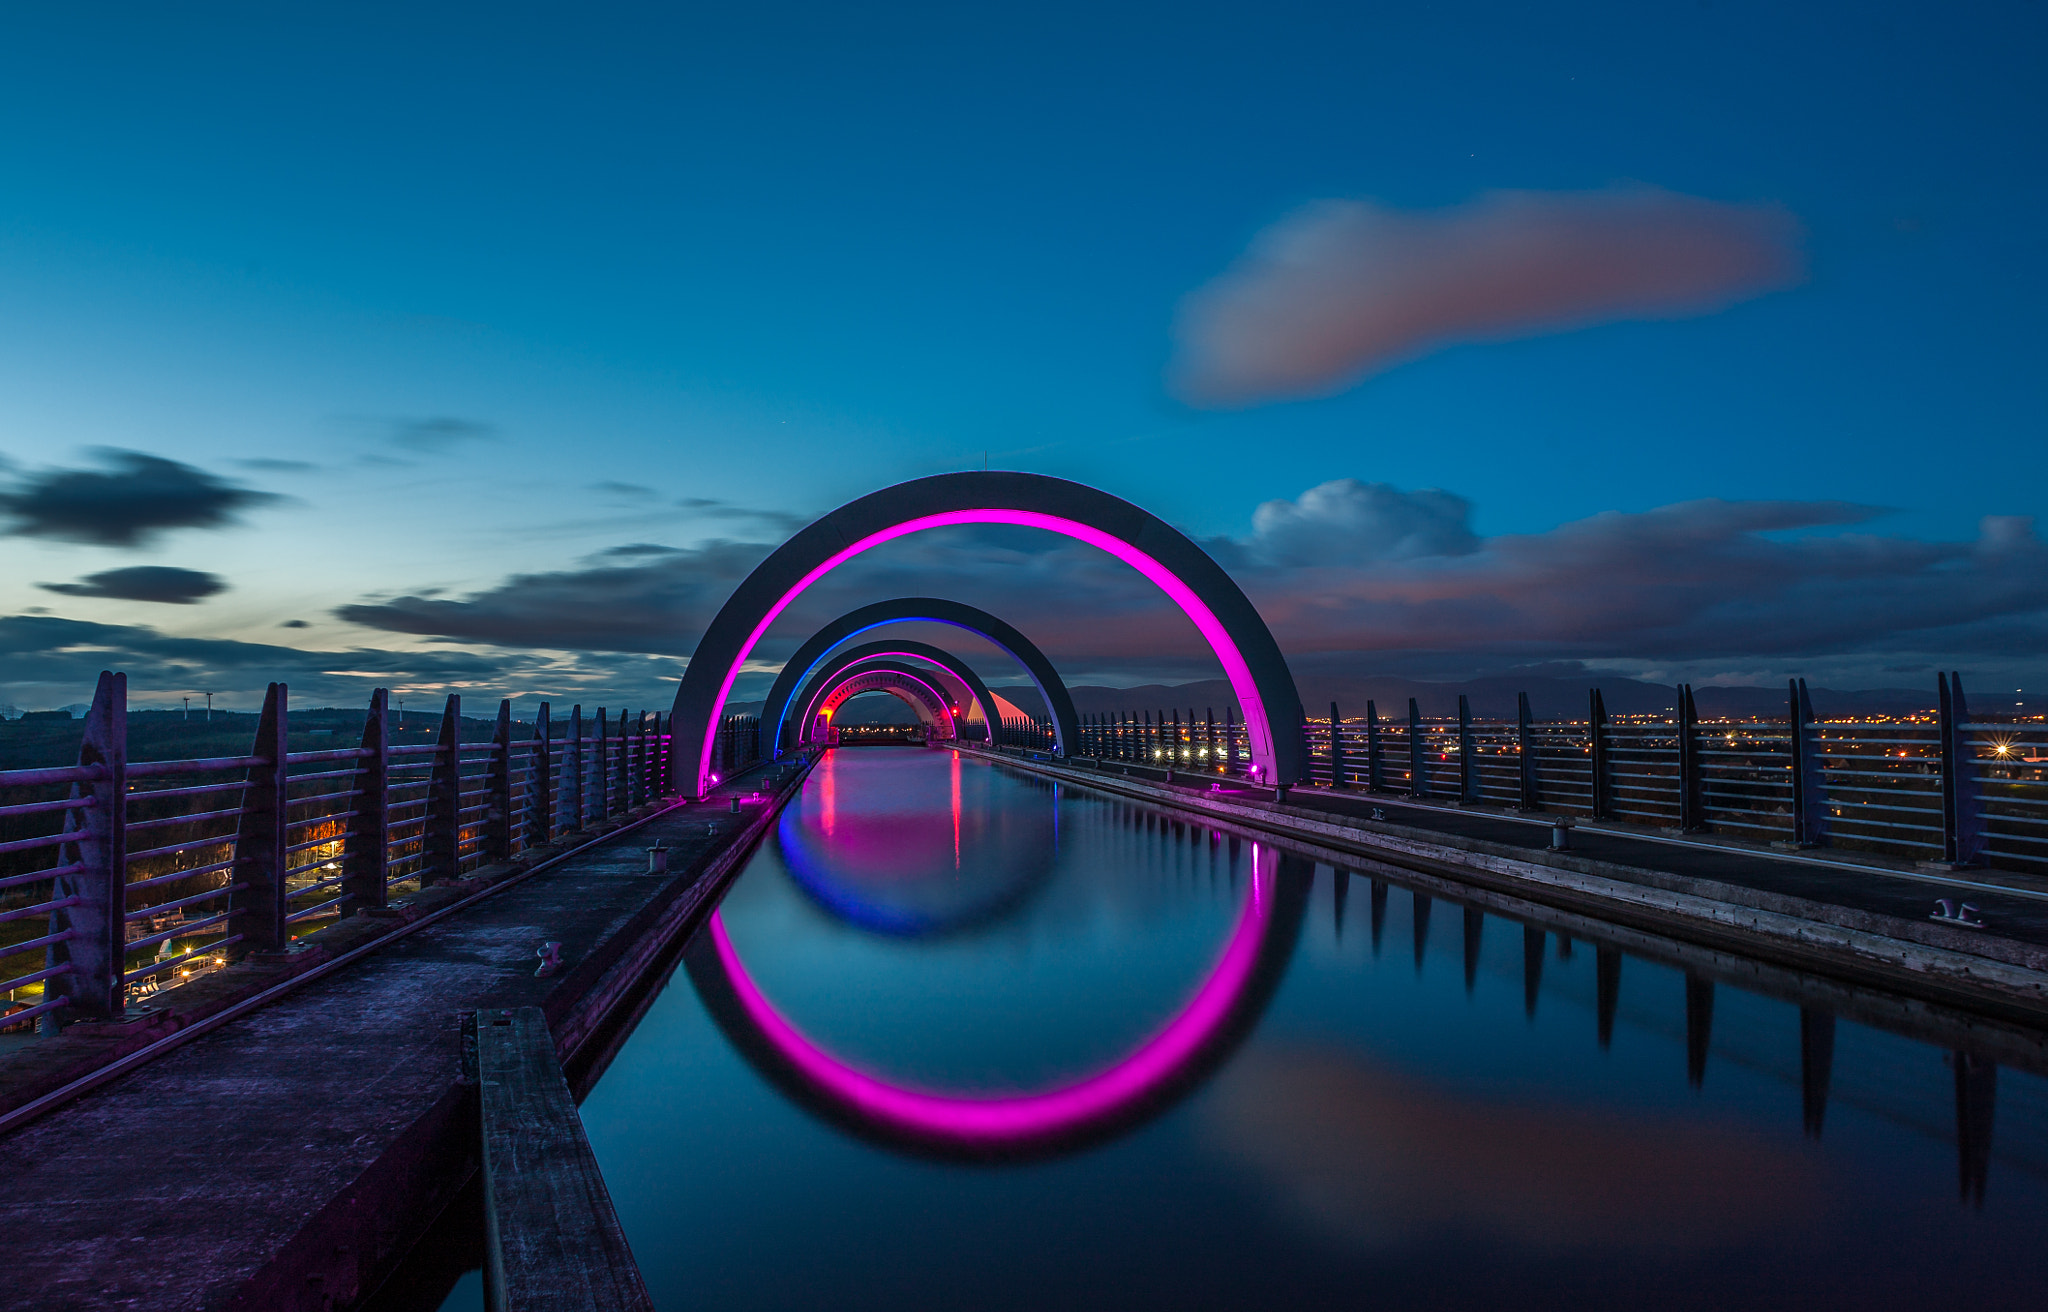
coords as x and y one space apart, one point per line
1976 968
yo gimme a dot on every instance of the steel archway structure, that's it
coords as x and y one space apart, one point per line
888 653
798 670
1225 617
915 688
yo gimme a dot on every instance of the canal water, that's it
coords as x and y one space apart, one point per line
962 1038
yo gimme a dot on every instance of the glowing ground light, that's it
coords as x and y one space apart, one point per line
1212 629
983 1122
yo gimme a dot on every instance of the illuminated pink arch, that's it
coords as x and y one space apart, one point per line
933 704
986 1124
956 680
1226 618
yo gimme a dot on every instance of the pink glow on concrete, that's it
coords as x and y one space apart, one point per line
1257 728
945 703
994 1121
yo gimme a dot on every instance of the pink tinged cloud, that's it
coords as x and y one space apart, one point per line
1341 289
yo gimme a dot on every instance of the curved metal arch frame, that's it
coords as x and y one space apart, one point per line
1226 618
934 703
832 667
904 610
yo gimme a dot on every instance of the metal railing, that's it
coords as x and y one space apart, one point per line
1939 787
127 876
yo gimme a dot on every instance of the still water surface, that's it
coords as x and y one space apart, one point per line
959 1038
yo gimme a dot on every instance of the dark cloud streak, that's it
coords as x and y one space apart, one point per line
163 584
135 498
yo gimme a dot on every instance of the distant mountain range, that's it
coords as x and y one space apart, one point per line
1550 698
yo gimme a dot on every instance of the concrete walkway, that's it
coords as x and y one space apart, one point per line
288 1158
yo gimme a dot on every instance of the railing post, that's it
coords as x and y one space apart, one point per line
1962 823
623 770
1336 748
498 820
1375 751
367 846
1692 810
1530 794
540 786
1596 736
441 842
1468 772
1418 766
572 773
640 759
1809 777
94 952
601 770
260 862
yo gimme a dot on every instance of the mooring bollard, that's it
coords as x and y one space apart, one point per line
735 806
550 955
1560 833
657 860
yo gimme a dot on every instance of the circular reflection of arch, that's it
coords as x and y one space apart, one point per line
934 709
1189 1047
956 677
799 669
896 870
1209 597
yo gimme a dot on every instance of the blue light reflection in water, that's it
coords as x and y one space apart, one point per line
1412 1108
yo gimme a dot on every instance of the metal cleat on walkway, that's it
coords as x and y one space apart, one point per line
1950 914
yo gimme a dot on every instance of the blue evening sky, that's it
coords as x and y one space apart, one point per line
779 256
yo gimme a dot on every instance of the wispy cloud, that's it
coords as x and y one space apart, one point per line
1341 289
438 434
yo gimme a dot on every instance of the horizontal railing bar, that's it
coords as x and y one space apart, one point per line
189 953
23 981
196 818
46 840
40 909
59 774
28 1014
30 945
39 876
318 775
176 848
142 769
39 808
309 913
330 754
181 931
190 790
176 875
157 910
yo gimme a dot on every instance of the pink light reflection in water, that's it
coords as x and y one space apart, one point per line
1212 630
992 1121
